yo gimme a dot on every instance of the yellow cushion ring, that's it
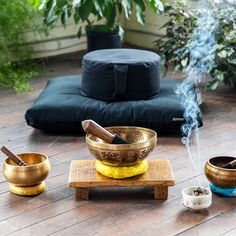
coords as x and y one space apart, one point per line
121 172
28 190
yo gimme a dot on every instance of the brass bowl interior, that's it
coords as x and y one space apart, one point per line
220 161
133 135
37 169
29 158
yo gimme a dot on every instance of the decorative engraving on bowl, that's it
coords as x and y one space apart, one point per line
132 136
142 142
105 156
125 157
109 156
144 152
132 156
135 137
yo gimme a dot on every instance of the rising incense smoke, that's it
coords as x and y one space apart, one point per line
202 54
202 48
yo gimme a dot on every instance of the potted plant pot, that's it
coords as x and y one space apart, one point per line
100 38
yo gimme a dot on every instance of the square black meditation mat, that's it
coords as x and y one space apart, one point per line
60 109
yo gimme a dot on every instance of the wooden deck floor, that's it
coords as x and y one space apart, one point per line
113 211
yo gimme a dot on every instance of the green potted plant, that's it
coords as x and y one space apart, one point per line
179 29
101 18
16 18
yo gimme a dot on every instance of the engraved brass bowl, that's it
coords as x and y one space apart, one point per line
141 142
220 176
34 173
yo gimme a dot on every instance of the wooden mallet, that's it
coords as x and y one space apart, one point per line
13 156
95 129
230 165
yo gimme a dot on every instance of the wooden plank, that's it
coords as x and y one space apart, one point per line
224 220
230 233
6 227
169 219
84 174
36 218
125 215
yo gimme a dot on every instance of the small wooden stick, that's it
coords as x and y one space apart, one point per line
230 165
13 156
95 129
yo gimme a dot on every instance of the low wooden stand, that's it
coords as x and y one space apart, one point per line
83 175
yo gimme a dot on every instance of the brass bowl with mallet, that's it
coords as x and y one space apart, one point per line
217 174
27 179
141 141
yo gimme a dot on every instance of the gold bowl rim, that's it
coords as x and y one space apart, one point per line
110 146
28 166
218 167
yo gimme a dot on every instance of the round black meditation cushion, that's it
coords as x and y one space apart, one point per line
121 74
60 108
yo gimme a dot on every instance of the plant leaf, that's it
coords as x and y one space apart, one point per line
140 11
220 76
110 15
85 9
76 16
36 3
222 54
75 3
212 85
64 16
232 61
61 4
98 7
184 62
79 34
127 5
156 6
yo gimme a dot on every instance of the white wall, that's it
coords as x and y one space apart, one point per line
59 41
144 35
64 40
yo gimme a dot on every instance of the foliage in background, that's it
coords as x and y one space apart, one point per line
16 17
108 10
179 30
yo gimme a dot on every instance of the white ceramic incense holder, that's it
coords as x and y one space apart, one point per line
196 198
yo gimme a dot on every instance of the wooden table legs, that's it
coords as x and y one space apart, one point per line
82 194
161 192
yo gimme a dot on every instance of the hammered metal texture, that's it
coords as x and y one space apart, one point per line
141 142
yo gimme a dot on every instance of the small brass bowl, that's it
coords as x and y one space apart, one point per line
220 176
34 173
141 142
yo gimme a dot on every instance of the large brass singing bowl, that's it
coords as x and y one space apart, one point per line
34 173
141 142
220 176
